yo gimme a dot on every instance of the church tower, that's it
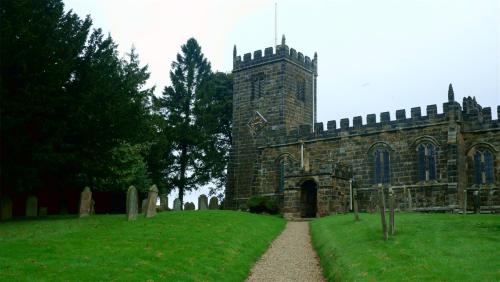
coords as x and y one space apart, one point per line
272 93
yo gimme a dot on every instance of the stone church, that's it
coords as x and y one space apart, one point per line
431 161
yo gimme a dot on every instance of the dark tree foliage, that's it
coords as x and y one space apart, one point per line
214 110
72 112
40 48
197 112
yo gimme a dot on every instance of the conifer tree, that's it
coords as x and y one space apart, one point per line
185 135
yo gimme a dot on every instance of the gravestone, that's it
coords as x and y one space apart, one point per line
92 207
202 202
32 206
144 205
132 203
189 206
43 211
213 204
177 205
164 202
381 199
151 205
85 202
5 208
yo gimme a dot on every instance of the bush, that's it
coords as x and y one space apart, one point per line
259 204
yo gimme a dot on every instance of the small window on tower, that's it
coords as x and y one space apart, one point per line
301 90
257 85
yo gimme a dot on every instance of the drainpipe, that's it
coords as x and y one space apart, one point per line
350 194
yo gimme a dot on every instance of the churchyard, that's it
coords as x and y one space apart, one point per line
172 246
426 247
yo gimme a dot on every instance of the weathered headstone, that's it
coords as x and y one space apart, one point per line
132 203
85 202
189 206
213 204
92 207
144 205
202 202
164 202
5 208
43 211
32 206
151 205
177 204
381 203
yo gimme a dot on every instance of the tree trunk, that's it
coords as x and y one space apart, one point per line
182 174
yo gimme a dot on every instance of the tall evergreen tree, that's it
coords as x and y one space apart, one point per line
189 72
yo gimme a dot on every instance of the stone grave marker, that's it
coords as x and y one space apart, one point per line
164 202
132 203
202 202
5 208
32 206
189 206
177 204
144 205
151 205
213 204
85 202
43 211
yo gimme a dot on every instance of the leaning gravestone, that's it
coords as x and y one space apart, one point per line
151 206
202 202
5 208
132 203
213 204
164 202
177 205
85 202
32 206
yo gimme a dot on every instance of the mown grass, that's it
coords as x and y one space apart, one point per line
173 246
426 247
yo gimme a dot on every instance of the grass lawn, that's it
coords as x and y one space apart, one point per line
435 247
173 246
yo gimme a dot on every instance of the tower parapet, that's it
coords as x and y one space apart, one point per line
271 55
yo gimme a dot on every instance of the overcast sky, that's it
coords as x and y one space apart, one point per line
373 56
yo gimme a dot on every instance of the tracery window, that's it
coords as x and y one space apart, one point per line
426 162
483 167
382 164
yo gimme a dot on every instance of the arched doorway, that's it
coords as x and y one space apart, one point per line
308 199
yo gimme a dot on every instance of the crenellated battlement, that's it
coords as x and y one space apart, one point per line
271 55
476 118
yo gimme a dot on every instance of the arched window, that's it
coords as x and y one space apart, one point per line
426 162
483 167
382 165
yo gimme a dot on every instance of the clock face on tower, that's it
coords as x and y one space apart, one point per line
256 123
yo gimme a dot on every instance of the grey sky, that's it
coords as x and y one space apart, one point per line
373 56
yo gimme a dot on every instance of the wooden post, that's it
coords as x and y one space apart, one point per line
410 204
381 204
355 204
392 227
465 201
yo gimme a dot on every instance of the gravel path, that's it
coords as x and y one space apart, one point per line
290 257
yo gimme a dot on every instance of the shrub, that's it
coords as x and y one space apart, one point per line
259 204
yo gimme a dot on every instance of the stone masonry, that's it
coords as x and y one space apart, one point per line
432 161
